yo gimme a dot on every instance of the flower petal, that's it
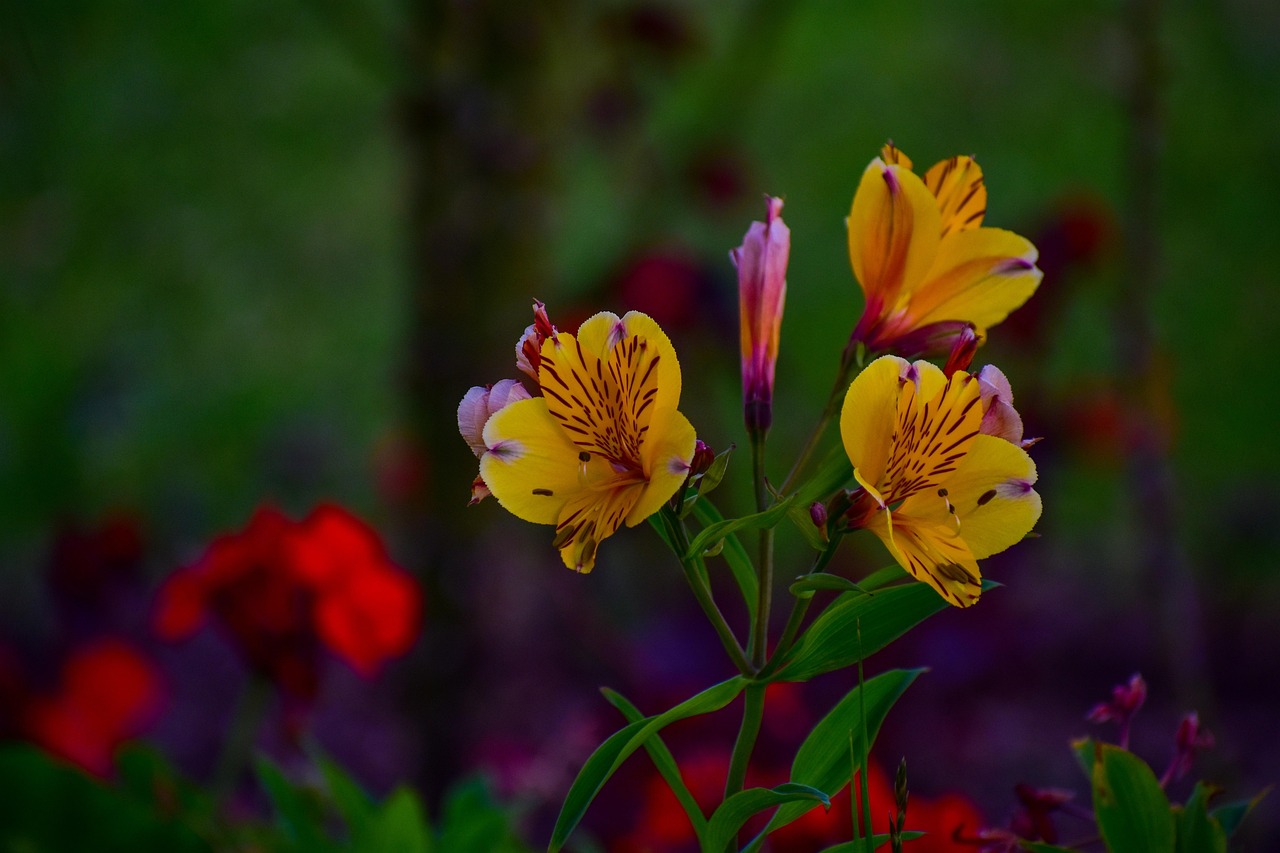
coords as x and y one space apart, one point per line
962 196
531 466
893 231
670 453
992 496
931 439
933 553
589 518
868 415
980 275
993 522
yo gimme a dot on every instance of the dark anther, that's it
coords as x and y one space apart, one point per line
584 456
942 493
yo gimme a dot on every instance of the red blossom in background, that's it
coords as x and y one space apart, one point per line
108 693
281 589
663 825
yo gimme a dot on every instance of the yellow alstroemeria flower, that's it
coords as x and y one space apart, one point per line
938 492
926 265
603 445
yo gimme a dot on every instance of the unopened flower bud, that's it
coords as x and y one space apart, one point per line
963 349
529 347
818 512
703 456
999 417
762 291
1126 699
474 412
1190 739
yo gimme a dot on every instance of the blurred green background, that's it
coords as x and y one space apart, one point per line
257 251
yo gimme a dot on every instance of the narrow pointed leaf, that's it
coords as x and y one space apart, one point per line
831 642
609 756
739 808
1133 812
1197 832
712 535
709 480
735 555
806 585
856 845
1230 815
823 759
664 761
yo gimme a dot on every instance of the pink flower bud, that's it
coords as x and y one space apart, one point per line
963 348
529 347
1126 699
818 512
762 291
1189 740
474 412
999 417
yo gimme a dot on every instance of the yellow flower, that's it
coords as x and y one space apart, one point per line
938 492
603 445
926 265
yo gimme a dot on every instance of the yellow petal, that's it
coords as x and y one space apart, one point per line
600 332
980 276
893 231
992 496
868 415
962 196
931 440
932 553
891 155
589 518
530 466
670 451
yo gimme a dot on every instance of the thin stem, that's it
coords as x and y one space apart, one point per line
760 630
696 574
820 428
752 714
799 608
241 734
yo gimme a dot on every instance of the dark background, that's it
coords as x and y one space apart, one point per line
257 252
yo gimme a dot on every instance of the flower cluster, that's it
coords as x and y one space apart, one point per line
282 589
602 445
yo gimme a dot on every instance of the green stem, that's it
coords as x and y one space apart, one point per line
799 608
752 714
760 630
241 734
696 574
820 428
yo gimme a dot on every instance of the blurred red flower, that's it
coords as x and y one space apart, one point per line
108 694
281 589
663 825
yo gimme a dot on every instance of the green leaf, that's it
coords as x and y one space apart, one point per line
296 809
744 572
1230 815
710 536
814 535
739 808
823 759
1197 833
398 824
473 822
1133 812
714 474
609 756
806 585
352 802
856 845
1085 754
831 642
835 472
664 761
